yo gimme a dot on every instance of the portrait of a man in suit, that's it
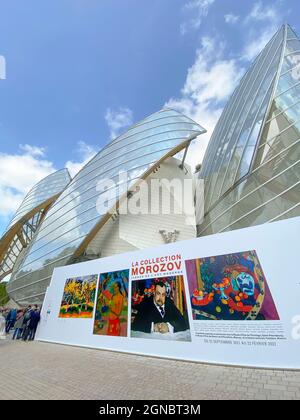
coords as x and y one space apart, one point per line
157 313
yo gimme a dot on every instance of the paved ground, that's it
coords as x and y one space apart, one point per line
49 371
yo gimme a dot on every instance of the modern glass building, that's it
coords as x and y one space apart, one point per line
251 168
251 173
27 219
75 220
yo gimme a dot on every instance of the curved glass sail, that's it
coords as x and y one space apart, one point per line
48 187
231 148
28 217
254 178
75 214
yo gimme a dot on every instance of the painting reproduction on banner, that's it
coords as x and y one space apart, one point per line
112 304
230 287
159 310
79 297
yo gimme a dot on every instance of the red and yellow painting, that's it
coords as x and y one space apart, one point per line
79 297
112 304
230 287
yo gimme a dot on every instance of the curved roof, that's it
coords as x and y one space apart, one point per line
233 144
271 189
29 215
74 219
49 186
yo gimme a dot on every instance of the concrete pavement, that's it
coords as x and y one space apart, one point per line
36 370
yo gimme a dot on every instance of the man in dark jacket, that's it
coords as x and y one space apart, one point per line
159 314
33 323
11 319
25 325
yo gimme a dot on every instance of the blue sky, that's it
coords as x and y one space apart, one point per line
80 71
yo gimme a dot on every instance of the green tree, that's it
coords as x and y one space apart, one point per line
4 298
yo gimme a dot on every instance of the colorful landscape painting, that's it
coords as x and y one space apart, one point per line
79 297
112 304
230 287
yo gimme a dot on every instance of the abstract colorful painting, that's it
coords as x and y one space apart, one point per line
230 287
112 304
159 309
79 297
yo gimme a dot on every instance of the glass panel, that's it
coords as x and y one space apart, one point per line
290 97
292 45
290 115
282 141
284 105
75 214
129 152
258 198
257 111
72 200
218 139
270 210
290 62
288 172
154 120
240 132
45 189
52 255
286 82
227 138
294 212
248 154
290 32
147 134
268 191
119 155
252 140
279 133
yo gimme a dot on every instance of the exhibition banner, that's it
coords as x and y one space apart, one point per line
231 298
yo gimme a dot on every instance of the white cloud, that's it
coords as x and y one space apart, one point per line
118 120
209 82
18 173
231 18
21 171
86 153
255 46
206 83
10 201
198 9
212 78
32 150
270 17
261 12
